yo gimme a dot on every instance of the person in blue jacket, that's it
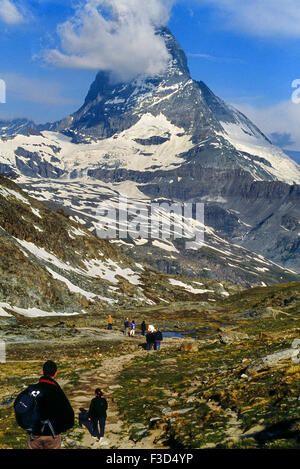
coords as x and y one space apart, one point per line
158 337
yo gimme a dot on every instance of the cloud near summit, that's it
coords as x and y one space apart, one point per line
10 13
114 35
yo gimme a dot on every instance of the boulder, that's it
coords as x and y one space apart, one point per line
166 411
138 432
184 411
296 343
270 361
84 302
145 380
230 337
189 346
154 422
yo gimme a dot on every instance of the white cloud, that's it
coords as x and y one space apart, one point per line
114 35
282 118
260 17
10 13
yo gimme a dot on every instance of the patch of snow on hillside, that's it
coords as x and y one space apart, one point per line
41 253
283 167
11 193
165 246
36 212
35 312
189 288
77 232
123 151
73 288
109 270
4 313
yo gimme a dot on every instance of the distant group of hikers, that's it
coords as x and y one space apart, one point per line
129 327
44 411
153 336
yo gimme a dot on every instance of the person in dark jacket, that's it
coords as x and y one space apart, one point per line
97 414
158 337
126 326
150 337
143 327
53 406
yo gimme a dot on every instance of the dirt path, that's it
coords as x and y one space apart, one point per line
116 436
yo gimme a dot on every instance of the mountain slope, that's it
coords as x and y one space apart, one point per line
217 258
148 121
51 265
169 137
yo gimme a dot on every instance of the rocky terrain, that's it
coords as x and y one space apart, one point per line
227 375
232 382
77 272
229 380
213 258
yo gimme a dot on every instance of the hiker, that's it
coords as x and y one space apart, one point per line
97 414
158 337
109 323
126 326
132 328
150 337
143 327
44 411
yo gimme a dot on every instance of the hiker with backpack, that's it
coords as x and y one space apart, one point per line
158 337
97 414
132 329
143 327
44 411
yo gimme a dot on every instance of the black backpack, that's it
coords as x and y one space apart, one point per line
27 412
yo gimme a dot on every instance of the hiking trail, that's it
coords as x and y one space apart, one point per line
116 436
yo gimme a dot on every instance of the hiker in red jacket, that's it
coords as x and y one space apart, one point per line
44 411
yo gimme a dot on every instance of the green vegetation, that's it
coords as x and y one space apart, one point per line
199 398
202 400
206 398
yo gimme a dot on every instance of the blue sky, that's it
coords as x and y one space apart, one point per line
248 53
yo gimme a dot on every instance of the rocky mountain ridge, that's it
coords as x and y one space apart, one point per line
170 137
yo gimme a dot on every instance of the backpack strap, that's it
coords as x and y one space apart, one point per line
47 422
